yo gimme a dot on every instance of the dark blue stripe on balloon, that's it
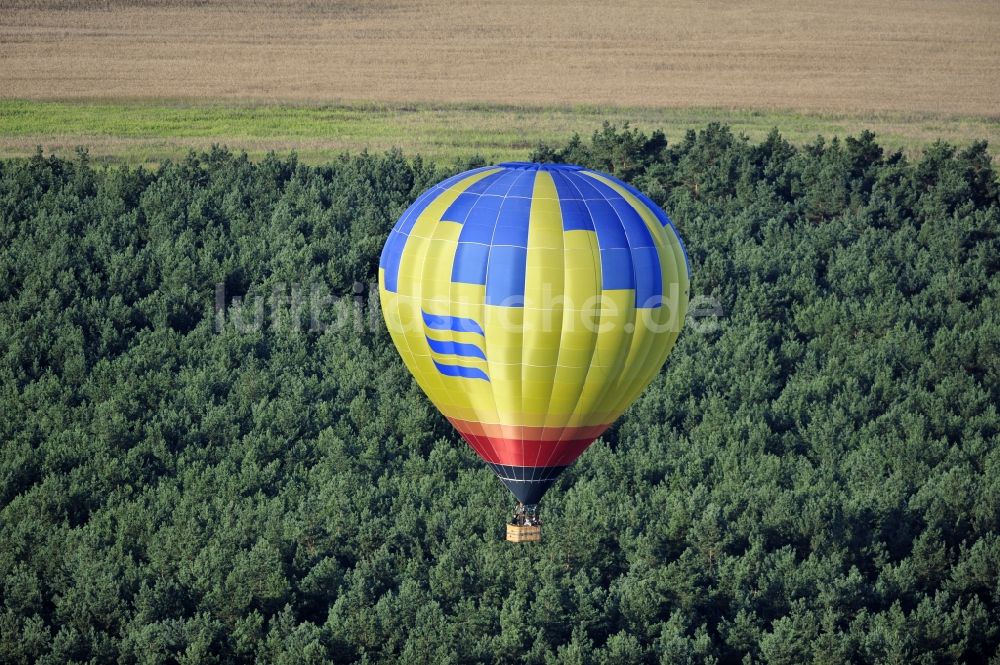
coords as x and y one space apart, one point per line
480 244
455 179
616 256
455 348
460 208
648 278
456 323
536 166
564 187
392 253
530 473
410 215
461 372
632 222
527 484
646 201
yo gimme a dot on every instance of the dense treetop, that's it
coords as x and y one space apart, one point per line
814 477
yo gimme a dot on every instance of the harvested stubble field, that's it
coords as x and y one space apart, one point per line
911 69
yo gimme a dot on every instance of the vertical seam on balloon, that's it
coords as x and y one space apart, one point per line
419 297
473 404
520 400
596 252
649 203
489 256
420 286
555 369
625 387
527 242
683 283
482 318
594 335
406 341
609 385
428 196
636 383
677 258
680 257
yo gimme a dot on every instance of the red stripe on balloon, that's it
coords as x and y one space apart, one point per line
528 433
527 452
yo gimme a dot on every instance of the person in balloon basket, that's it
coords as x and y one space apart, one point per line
526 515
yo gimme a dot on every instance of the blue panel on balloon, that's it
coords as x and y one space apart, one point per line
459 210
610 234
483 185
660 215
462 208
565 189
635 227
409 218
470 263
393 249
482 220
524 186
391 255
616 269
455 179
584 185
648 279
495 185
513 229
655 209
575 215
505 276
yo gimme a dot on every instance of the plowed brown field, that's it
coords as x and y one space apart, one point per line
846 56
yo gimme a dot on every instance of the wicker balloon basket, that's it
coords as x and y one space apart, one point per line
524 534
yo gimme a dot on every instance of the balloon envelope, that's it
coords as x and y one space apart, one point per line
533 303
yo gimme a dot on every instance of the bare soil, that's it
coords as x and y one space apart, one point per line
854 56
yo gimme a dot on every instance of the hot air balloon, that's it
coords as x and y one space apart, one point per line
533 303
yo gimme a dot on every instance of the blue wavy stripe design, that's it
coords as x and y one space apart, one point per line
456 349
463 372
455 323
